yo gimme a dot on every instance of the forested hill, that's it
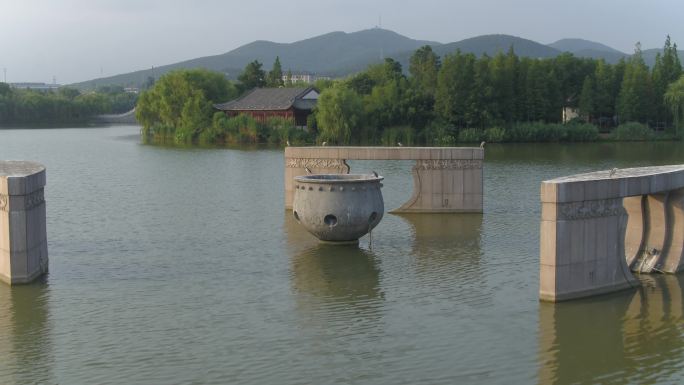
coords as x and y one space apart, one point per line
492 44
334 54
579 45
338 54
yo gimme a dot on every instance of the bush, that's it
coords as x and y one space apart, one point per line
583 132
392 136
439 133
632 131
470 135
495 135
536 132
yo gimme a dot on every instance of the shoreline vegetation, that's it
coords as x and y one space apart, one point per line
60 107
459 98
439 101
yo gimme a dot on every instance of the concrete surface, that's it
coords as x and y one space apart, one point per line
23 235
596 226
445 179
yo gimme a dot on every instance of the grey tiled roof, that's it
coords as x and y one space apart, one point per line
268 99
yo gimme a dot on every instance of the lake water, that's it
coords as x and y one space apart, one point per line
180 266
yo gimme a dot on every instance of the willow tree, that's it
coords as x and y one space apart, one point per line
180 103
339 111
674 98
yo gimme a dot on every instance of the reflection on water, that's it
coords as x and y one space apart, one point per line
635 336
25 348
435 233
334 273
447 251
330 273
175 265
590 155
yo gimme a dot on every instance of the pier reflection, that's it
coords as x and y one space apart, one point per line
439 235
635 336
25 346
447 255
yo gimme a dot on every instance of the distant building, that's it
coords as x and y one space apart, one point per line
131 90
265 103
44 87
304 78
570 109
570 113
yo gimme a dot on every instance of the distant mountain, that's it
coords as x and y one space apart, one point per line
579 45
333 54
492 44
489 44
339 54
589 49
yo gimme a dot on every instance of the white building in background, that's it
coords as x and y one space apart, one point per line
35 86
304 78
570 113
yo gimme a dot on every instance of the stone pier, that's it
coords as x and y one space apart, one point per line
23 235
597 228
445 179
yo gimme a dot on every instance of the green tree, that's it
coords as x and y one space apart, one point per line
666 70
252 76
674 98
604 90
587 100
275 76
424 66
635 102
455 84
338 114
180 104
361 83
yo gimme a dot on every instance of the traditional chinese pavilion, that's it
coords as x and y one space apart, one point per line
264 103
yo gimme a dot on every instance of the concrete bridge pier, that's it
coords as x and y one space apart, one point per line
445 179
23 235
597 228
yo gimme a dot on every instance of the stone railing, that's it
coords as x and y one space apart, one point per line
445 179
595 227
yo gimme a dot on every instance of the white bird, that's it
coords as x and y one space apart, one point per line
287 142
482 144
324 143
308 170
399 144
612 172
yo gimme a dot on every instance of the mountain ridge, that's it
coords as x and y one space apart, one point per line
339 54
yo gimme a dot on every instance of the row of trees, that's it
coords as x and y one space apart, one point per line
64 105
441 97
439 101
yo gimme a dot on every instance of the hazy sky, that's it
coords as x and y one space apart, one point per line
75 40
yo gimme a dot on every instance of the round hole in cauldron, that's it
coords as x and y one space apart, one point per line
330 220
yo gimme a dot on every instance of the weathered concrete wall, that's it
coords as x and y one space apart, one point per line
595 226
23 235
445 179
